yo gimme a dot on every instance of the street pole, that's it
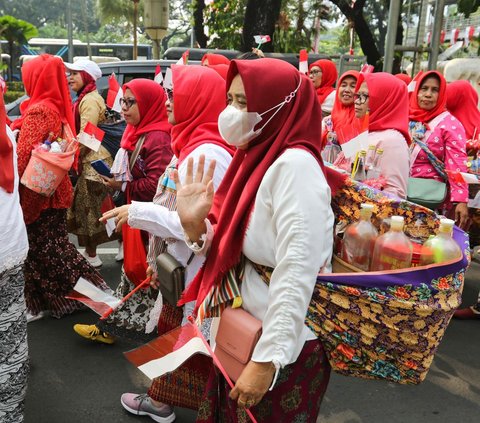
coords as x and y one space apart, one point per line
393 15
135 18
70 31
436 30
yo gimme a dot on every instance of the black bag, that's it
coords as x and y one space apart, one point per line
113 136
171 275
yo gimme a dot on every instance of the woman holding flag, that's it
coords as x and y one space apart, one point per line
273 209
439 139
88 108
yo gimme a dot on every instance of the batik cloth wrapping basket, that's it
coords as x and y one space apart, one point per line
387 325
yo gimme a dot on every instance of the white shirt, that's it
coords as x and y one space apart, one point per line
291 230
327 105
13 234
161 222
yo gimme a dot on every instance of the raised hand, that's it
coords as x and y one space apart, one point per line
195 197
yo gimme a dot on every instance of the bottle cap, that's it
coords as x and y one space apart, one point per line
446 225
396 222
371 147
379 150
363 153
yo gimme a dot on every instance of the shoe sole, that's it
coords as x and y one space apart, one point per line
154 417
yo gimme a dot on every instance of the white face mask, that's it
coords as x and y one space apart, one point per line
237 127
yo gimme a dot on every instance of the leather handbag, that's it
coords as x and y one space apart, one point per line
171 275
426 192
237 335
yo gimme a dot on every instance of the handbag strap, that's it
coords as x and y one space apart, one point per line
136 152
438 165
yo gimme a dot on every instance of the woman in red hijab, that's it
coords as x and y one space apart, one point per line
273 209
403 77
323 73
462 102
341 125
211 59
145 151
381 103
53 265
433 126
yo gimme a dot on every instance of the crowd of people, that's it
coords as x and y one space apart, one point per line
225 172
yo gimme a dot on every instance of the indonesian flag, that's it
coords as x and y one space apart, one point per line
115 93
168 80
469 31
442 36
91 136
454 36
169 351
366 68
413 84
158 75
262 39
303 63
94 298
360 142
184 59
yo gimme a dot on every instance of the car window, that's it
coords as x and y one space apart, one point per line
128 77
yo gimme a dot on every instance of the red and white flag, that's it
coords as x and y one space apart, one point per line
413 83
91 136
168 80
303 62
262 39
158 75
454 36
469 31
184 59
115 93
94 298
366 68
357 143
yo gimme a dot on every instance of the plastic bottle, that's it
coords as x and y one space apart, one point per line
359 174
369 160
442 247
359 240
374 171
55 147
393 250
45 146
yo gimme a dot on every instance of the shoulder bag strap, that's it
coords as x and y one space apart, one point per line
434 160
136 152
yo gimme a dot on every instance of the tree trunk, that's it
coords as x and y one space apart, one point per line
260 19
199 31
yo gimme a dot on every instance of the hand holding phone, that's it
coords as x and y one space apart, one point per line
101 168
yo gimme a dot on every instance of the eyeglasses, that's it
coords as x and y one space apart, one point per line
315 72
127 102
169 94
360 98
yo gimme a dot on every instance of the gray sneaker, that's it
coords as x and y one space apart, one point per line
141 405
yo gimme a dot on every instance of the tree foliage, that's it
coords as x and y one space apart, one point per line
467 7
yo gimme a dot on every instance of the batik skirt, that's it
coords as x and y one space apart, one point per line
54 265
13 346
296 396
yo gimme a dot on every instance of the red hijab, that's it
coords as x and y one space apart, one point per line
222 70
45 83
329 76
215 59
403 77
345 124
153 115
462 102
388 102
292 127
7 177
418 114
88 86
196 114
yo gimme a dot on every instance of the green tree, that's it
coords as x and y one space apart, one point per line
15 31
467 7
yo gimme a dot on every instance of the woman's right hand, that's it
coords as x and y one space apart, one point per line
195 197
154 283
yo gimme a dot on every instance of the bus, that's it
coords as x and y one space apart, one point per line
59 47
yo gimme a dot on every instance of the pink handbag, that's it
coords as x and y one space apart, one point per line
237 335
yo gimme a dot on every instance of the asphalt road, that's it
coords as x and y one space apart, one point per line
73 380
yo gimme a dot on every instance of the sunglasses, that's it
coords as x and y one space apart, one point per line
127 102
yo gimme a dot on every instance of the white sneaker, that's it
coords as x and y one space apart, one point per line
32 317
119 256
94 261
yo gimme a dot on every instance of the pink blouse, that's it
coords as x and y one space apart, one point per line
448 143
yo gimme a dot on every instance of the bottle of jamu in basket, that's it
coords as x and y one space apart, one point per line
393 250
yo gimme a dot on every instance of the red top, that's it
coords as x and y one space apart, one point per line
38 122
153 115
7 177
418 114
292 127
215 59
345 124
329 76
462 100
196 114
388 102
